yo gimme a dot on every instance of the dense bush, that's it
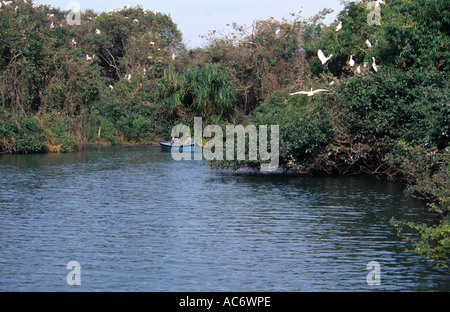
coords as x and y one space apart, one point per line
305 126
21 134
412 107
88 83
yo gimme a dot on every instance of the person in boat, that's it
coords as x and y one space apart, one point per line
187 141
176 141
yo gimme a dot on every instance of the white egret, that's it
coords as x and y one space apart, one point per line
310 93
339 27
352 61
98 31
111 87
358 70
368 43
378 2
322 56
374 65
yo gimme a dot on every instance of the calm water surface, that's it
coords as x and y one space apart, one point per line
136 220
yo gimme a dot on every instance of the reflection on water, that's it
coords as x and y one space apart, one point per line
136 220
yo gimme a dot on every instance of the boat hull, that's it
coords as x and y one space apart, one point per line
167 147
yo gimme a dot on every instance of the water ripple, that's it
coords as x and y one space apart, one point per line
138 221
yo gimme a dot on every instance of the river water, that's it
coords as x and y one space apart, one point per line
136 220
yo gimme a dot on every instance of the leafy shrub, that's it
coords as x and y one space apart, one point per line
134 126
305 126
60 134
21 134
384 109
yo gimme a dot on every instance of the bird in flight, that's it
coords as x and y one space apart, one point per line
322 56
310 93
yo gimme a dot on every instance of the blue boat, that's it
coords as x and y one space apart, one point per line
167 147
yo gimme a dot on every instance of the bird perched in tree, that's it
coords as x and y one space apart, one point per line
352 61
368 43
374 65
322 56
378 2
339 27
310 93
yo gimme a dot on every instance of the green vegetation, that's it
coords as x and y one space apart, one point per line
124 77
